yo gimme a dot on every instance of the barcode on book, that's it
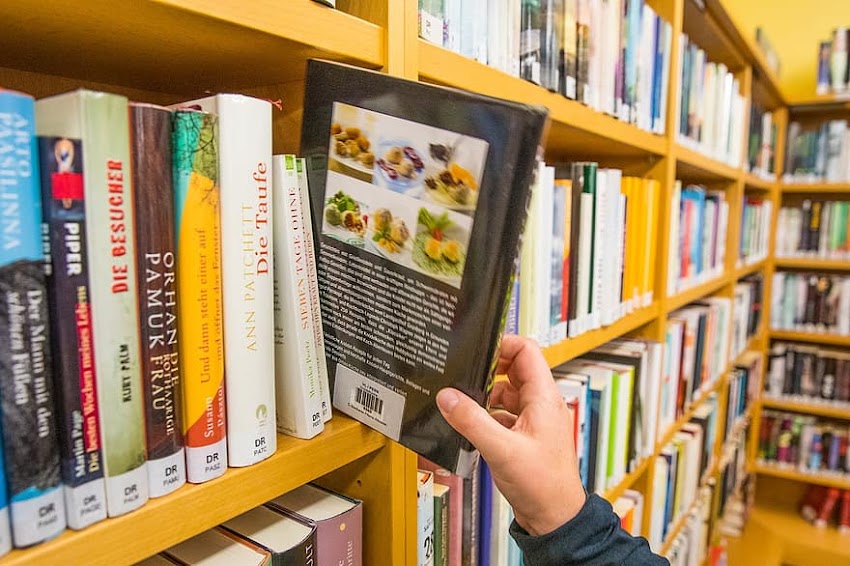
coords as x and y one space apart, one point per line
365 398
369 402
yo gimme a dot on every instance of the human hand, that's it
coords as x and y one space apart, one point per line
529 444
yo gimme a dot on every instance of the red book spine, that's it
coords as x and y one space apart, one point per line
844 517
827 508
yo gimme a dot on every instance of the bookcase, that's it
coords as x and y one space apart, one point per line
165 51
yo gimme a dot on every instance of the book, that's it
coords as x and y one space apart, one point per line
198 235
245 147
455 484
442 503
469 519
31 450
69 294
485 511
364 266
218 547
5 519
338 519
299 401
100 121
425 518
156 263
288 540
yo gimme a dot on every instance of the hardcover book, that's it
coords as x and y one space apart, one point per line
419 196
338 519
289 540
218 547
69 294
244 169
199 320
29 439
156 267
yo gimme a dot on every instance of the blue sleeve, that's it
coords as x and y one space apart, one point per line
593 537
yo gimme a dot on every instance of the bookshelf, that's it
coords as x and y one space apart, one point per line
828 410
815 188
184 48
830 480
812 264
815 337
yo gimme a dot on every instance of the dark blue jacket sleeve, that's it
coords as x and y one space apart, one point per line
593 537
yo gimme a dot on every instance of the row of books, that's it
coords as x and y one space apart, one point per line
613 55
823 506
817 153
833 68
156 291
588 252
696 354
309 525
698 224
754 241
808 373
808 302
814 229
761 143
711 109
746 311
629 508
804 442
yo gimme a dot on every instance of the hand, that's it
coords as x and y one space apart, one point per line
529 445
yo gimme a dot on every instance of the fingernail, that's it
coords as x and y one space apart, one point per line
447 400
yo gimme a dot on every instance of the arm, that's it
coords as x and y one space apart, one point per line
529 448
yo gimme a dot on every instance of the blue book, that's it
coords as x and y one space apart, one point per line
696 196
31 449
512 319
593 416
657 71
485 515
633 28
672 460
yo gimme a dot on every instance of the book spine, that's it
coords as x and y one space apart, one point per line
156 265
32 471
425 518
245 144
441 528
298 403
199 318
5 519
75 379
313 285
469 547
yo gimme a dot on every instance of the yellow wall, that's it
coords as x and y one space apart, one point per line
794 28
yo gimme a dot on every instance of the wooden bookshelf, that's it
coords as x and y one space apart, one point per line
629 481
813 264
575 347
196 508
817 188
751 268
827 410
693 166
696 293
759 183
686 417
829 480
815 337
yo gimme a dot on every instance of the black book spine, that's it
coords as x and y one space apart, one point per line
827 379
811 301
805 221
797 373
790 371
700 354
575 230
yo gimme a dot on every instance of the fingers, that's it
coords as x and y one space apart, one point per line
504 418
472 421
505 396
522 360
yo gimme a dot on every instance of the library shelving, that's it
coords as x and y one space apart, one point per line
816 337
821 409
165 51
829 480
816 188
812 263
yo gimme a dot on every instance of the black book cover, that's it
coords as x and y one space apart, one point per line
577 171
700 353
842 380
755 313
417 232
805 220
822 292
811 307
791 370
796 373
827 368
814 226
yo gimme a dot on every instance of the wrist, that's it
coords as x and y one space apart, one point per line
549 520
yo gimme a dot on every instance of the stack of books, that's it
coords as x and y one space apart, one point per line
808 374
804 443
817 153
808 302
698 224
612 55
814 228
833 69
761 146
754 241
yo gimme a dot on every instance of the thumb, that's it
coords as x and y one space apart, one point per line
472 421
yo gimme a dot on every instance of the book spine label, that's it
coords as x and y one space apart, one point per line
30 444
199 319
298 403
245 143
156 264
80 443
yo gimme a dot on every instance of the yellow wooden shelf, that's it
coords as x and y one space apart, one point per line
821 102
184 46
695 293
830 188
755 182
192 509
629 481
841 482
692 166
575 347
745 270
686 417
824 339
577 130
811 263
810 408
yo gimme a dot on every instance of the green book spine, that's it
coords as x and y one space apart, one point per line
590 187
101 122
841 220
612 430
442 494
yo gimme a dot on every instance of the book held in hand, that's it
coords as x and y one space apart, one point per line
419 196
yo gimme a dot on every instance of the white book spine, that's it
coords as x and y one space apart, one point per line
425 518
313 282
599 257
585 239
674 262
544 254
844 308
245 143
298 399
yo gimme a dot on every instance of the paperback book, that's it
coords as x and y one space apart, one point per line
418 196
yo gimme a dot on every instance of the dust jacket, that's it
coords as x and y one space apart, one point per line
419 196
